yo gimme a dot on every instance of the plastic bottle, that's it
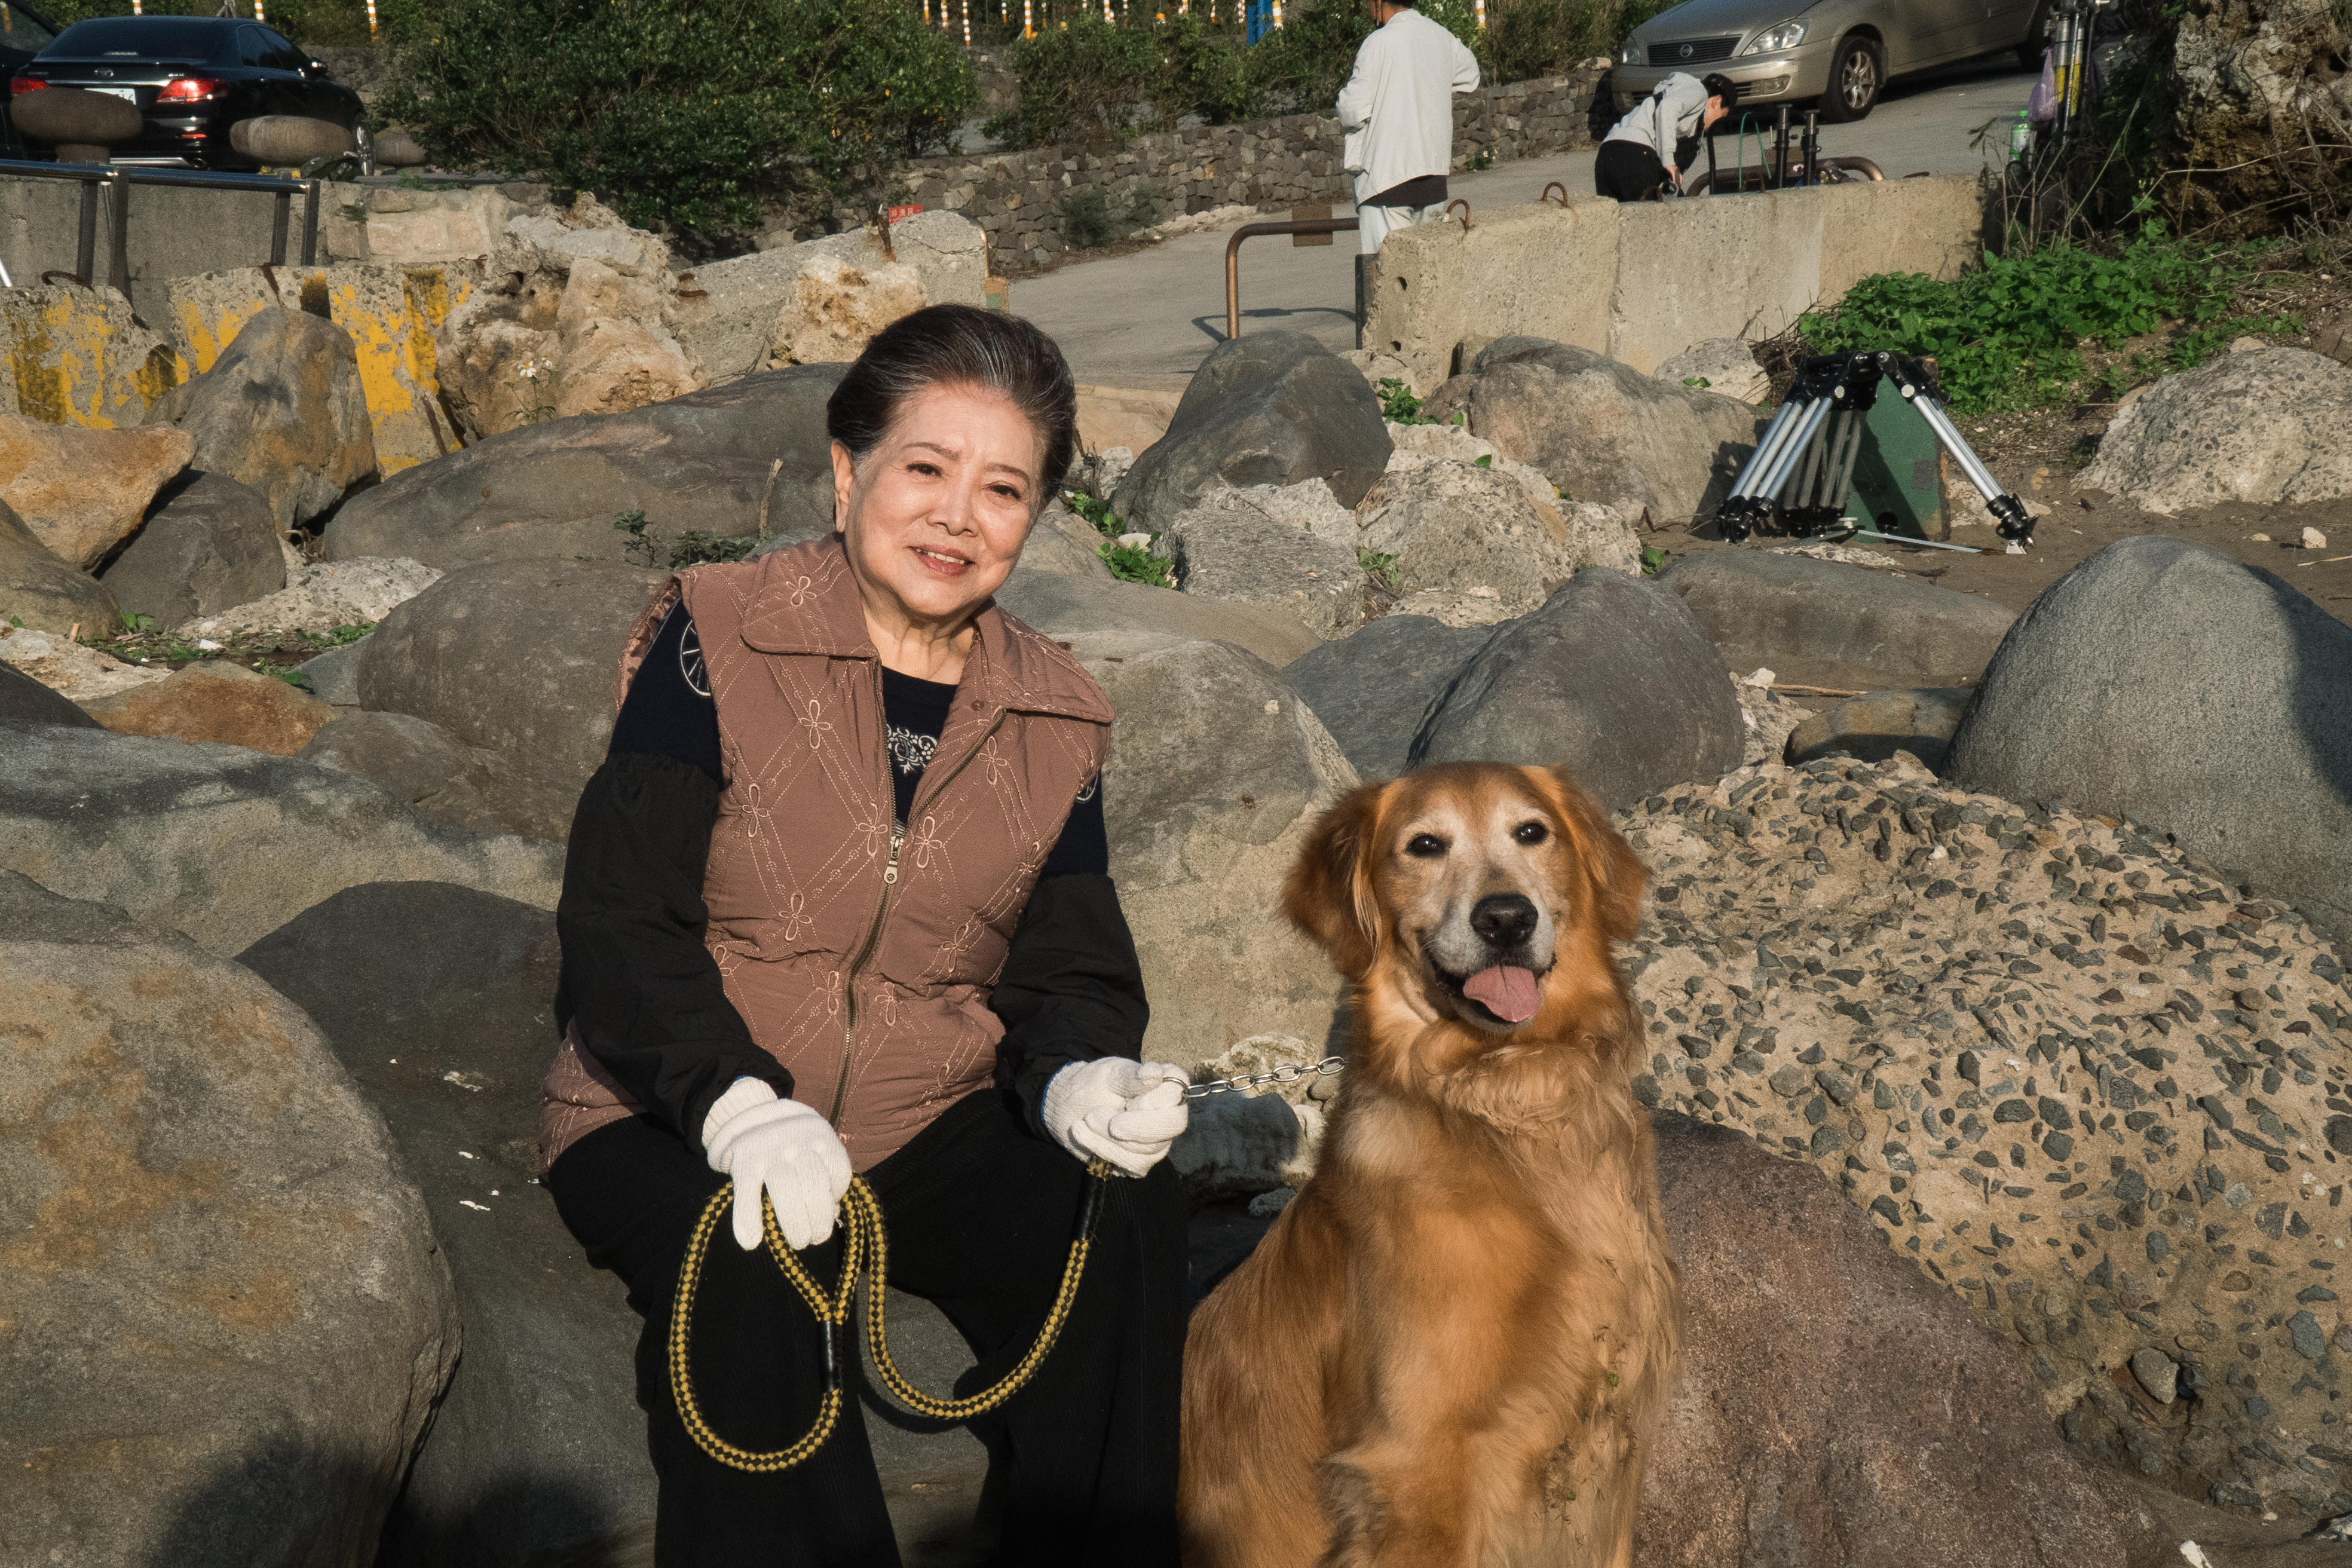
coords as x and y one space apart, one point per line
2021 138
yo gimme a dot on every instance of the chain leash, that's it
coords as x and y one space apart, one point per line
862 1234
1288 1072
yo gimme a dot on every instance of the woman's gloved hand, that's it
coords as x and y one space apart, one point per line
784 1148
1112 1108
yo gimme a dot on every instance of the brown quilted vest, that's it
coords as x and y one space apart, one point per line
861 959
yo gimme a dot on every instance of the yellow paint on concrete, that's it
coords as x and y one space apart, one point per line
76 356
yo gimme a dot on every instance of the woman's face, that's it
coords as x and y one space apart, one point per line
935 516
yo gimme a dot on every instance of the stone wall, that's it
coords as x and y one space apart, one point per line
1272 164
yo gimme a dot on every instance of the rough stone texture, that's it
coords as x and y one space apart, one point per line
1874 728
1231 549
832 309
588 230
67 667
615 349
2264 426
1372 690
1111 417
216 701
1239 1145
2064 1070
1611 677
24 701
1904 1435
1060 542
2261 102
702 462
227 1321
334 675
225 844
209 544
439 1002
288 141
1063 605
2161 681
1472 608
1454 526
346 593
519 659
1217 773
281 411
1822 624
1771 717
420 764
84 491
1603 431
1725 364
1272 408
42 591
80 356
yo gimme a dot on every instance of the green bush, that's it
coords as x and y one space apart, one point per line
1527 38
1078 83
1203 70
1299 68
684 114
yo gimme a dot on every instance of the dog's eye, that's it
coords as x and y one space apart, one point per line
1426 845
1531 833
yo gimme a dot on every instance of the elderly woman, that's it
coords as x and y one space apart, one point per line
838 900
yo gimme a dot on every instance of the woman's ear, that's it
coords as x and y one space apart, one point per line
1328 893
844 475
1617 873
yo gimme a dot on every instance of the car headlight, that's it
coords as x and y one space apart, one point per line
1630 54
1771 40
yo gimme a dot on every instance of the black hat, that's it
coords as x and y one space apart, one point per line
1720 85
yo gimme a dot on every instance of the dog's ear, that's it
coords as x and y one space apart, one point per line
1328 893
1617 873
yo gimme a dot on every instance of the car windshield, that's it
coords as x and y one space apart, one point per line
139 38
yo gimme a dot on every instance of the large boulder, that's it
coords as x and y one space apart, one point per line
439 1002
2068 1074
1611 677
1217 773
215 700
227 1321
2162 681
1824 624
209 544
711 462
1836 1406
324 597
1274 408
519 659
40 591
1724 365
226 844
1603 431
1876 725
1454 526
422 765
1063 605
615 348
84 491
281 412
832 309
68 668
1226 547
1372 690
24 701
2265 426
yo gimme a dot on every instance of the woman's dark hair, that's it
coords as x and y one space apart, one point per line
952 345
1720 85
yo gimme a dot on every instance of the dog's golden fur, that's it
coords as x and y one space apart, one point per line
1454 1345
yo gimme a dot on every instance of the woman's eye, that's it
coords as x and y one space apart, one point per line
1531 833
1425 846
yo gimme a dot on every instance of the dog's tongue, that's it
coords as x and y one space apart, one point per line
1505 991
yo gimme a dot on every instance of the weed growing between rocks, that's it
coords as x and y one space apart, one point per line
692 547
273 652
1128 562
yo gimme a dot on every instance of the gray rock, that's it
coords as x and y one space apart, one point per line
1235 1146
2264 426
209 544
24 701
1603 431
227 1321
1726 365
1453 527
1611 677
420 764
223 843
334 675
701 462
2157 1373
1065 543
1372 689
1874 728
1272 408
439 1002
324 597
41 589
1064 605
520 658
2163 682
1228 550
1822 623
1217 773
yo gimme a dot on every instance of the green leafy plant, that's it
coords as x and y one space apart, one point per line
1380 567
1098 513
639 549
1079 83
1398 404
1131 565
1481 161
1087 217
1698 381
1300 66
1486 460
133 622
1202 70
694 547
1653 560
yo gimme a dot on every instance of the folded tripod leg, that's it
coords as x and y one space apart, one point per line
1917 385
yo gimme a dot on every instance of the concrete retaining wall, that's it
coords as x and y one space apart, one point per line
78 357
1642 282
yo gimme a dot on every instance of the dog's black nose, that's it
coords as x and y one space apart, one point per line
1505 919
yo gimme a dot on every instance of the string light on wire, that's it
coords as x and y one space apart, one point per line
371 6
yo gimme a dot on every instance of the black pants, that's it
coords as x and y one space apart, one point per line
1627 170
979 1214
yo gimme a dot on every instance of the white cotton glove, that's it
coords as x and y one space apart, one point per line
786 1149
1113 1108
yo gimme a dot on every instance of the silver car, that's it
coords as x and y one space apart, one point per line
1842 52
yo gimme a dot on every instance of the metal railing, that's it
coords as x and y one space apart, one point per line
116 179
1250 230
1792 175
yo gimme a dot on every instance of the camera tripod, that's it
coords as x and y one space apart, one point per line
1803 468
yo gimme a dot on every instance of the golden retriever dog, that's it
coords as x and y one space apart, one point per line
1454 1345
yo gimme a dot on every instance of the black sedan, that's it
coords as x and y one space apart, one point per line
191 78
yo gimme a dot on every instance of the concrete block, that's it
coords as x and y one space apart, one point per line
1937 226
78 356
1542 270
438 226
1712 267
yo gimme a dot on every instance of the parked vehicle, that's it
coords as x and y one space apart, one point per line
23 35
192 77
1841 52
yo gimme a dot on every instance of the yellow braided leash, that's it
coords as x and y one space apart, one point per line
862 1234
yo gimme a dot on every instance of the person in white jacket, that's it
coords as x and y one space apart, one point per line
1644 150
1398 112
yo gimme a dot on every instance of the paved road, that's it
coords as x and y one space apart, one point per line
1147 320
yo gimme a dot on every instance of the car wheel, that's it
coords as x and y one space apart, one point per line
1855 76
2037 39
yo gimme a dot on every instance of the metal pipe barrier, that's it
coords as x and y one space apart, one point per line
1760 176
1232 257
118 178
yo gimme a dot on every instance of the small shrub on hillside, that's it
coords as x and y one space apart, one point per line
1300 67
1203 71
1085 82
1530 38
1130 564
